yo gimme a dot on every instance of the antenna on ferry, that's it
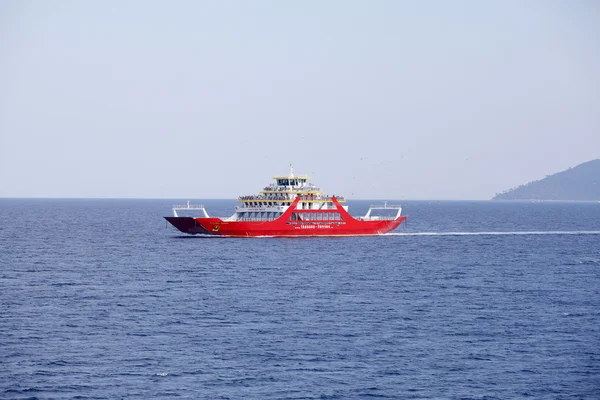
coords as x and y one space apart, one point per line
291 170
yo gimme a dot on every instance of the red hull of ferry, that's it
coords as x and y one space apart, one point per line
284 227
277 228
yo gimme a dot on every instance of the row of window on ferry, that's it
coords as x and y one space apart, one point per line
290 182
316 216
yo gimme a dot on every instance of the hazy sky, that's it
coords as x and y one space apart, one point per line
374 99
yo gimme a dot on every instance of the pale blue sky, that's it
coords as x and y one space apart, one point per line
373 99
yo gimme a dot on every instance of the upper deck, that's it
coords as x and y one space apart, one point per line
286 188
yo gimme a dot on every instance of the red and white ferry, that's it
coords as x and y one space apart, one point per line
289 207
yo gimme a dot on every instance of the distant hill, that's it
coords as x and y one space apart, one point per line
579 183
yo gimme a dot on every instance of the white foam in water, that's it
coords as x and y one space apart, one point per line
493 233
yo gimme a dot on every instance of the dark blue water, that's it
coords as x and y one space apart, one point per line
467 300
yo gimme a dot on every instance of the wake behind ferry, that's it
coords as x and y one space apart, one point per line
289 207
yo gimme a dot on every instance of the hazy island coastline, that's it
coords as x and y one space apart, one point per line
580 183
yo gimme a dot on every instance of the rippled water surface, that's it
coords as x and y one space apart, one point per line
99 299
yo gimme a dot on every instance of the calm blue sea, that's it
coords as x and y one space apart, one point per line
99 299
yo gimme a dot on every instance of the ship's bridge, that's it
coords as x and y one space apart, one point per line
291 184
291 180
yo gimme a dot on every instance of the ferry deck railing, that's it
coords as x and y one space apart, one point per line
189 206
385 206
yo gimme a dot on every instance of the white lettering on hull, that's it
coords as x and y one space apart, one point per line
313 226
